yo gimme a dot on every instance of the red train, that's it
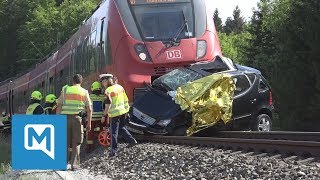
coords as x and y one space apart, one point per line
136 40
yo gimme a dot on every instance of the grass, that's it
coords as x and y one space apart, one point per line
5 153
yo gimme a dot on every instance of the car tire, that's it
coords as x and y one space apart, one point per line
262 123
180 131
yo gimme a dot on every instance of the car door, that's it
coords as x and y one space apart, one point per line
243 102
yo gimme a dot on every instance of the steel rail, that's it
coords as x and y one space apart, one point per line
273 135
288 147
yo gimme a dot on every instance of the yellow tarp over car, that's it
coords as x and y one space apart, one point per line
209 99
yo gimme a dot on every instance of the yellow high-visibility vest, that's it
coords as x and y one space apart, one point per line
97 106
73 100
31 108
119 104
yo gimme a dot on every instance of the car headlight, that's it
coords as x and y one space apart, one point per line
201 49
164 122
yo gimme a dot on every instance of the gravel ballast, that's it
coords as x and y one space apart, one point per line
160 161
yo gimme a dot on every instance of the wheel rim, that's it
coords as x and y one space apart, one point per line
264 125
104 138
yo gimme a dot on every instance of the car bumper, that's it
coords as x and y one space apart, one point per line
144 128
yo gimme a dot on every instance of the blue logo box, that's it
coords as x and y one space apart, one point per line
39 142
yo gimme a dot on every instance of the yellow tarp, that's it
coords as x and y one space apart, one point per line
209 99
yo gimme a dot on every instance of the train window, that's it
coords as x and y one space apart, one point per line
102 45
107 48
78 59
92 53
163 21
101 31
109 52
85 68
50 80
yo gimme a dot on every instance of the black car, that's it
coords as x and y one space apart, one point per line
155 112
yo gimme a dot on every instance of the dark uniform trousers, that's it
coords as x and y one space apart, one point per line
74 139
117 125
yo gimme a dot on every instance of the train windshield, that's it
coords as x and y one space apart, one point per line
160 21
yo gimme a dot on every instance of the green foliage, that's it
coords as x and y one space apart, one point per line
235 24
45 23
217 20
233 45
51 23
282 40
5 155
285 46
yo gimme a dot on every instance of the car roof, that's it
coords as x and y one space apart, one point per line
221 65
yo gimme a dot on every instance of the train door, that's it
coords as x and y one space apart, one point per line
101 45
71 66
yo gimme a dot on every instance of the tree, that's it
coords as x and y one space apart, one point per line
37 21
217 20
285 46
234 24
13 14
233 46
51 22
238 21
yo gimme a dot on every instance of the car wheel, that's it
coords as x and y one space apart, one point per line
263 123
180 131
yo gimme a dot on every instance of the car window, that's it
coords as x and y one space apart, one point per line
176 78
242 84
263 86
252 77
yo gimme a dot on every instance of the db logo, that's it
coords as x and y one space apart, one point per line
175 54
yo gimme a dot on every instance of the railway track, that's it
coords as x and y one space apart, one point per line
274 135
273 143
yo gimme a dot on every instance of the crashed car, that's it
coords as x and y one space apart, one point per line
156 112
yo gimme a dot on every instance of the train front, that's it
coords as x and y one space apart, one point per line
158 36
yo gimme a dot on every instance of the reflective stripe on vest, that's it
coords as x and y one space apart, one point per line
46 110
31 108
73 100
119 104
97 106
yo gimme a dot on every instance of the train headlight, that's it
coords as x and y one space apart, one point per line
143 56
201 49
142 52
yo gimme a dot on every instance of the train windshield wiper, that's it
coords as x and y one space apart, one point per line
180 30
175 37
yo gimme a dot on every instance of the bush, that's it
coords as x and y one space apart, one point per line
5 155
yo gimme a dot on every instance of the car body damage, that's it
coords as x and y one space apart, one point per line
187 100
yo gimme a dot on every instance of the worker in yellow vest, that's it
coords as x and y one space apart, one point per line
35 106
97 100
116 108
72 101
50 104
